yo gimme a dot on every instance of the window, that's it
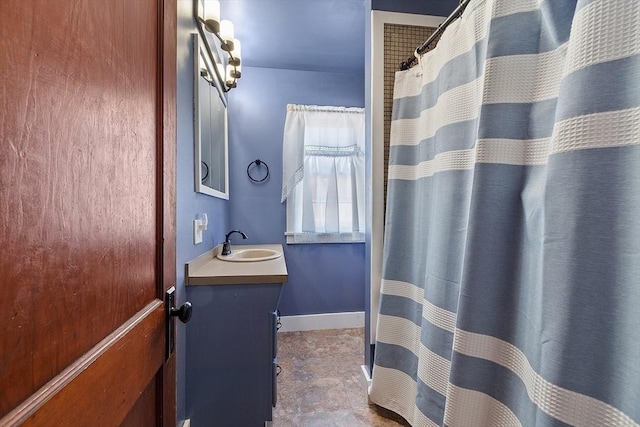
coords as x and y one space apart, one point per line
323 174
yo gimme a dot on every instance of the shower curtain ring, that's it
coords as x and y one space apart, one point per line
419 58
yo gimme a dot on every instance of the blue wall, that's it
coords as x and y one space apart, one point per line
323 278
189 203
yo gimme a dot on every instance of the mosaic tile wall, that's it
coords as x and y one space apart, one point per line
400 41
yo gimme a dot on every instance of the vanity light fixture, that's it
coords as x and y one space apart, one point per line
224 32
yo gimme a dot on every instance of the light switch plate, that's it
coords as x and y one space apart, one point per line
197 232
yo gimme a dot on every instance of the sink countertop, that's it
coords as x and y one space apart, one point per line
209 270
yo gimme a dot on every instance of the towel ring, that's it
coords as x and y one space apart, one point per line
257 162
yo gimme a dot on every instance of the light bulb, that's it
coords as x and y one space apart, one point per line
236 52
233 71
212 15
230 80
226 34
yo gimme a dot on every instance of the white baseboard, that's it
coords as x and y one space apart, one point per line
314 322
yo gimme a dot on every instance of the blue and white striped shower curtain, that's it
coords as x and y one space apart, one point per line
511 272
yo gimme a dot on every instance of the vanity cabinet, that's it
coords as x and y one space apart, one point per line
231 355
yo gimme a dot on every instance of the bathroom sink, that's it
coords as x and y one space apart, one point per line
251 255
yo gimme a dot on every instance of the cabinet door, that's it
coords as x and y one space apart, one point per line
231 353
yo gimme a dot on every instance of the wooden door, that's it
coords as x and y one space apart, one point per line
87 196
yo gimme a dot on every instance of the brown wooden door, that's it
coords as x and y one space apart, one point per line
87 203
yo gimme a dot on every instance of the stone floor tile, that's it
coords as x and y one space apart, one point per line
320 382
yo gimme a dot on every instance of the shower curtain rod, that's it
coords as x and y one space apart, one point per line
405 65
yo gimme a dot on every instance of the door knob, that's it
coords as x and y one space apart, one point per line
183 313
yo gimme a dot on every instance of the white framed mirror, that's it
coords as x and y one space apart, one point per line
210 124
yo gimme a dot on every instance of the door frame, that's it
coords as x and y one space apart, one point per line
376 129
167 81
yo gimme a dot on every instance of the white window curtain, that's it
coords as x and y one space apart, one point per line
323 174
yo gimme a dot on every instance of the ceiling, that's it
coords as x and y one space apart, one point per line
308 35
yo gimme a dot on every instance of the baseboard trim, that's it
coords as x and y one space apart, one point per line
365 382
314 322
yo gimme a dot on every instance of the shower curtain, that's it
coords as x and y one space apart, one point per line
511 261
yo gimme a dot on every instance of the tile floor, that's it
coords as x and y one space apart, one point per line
321 382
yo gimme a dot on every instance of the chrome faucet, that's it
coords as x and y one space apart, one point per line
226 247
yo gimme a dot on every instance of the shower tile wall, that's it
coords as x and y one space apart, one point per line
400 41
